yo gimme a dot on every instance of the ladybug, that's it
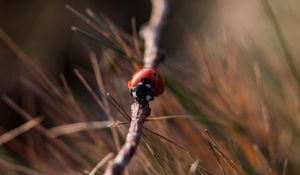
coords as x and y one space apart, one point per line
145 84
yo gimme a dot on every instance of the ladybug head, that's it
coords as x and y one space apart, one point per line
143 91
145 84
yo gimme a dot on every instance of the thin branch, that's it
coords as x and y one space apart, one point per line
87 21
101 163
84 126
19 130
151 32
170 141
195 165
214 146
139 112
285 164
102 89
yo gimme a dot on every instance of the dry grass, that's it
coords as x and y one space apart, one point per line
244 105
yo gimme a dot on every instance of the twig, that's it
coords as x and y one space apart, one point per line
139 112
102 89
101 163
19 130
218 152
151 32
84 126
285 164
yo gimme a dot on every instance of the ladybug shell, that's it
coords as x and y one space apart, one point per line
156 80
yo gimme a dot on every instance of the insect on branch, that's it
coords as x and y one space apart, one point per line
139 112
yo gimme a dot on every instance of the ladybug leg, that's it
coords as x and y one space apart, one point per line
132 93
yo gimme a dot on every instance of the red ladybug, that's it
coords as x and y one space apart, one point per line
145 84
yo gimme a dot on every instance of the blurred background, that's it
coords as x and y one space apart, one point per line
231 68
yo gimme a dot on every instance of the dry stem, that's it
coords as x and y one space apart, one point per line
139 114
150 33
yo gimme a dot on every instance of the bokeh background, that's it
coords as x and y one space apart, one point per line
230 65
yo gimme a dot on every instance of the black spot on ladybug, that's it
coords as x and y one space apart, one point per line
156 75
